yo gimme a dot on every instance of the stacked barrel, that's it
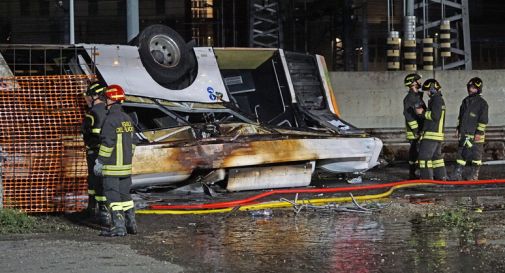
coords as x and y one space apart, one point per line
409 55
445 39
428 54
393 51
409 46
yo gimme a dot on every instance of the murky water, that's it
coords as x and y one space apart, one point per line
335 242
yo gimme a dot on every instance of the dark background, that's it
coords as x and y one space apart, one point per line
308 25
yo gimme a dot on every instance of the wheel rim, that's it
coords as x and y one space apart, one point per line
165 51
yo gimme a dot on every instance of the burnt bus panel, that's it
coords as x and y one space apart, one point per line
190 129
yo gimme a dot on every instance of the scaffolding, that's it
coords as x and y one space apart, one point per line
432 14
265 29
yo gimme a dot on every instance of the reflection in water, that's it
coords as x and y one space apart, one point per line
325 242
314 243
354 245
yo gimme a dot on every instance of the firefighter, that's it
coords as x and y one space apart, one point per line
431 162
91 128
472 122
114 163
413 122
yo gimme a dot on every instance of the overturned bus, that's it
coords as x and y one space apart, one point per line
255 118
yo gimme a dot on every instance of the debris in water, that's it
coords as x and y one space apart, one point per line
356 180
305 204
262 213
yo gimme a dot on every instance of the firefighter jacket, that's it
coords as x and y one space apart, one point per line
473 117
413 122
434 116
92 126
117 143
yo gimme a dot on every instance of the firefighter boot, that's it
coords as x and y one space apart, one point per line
118 225
412 172
474 172
131 224
426 173
91 208
458 173
440 174
104 214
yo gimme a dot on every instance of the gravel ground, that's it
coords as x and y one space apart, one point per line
47 255
310 242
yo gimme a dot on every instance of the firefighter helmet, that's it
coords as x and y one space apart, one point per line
410 79
476 82
431 85
95 88
115 93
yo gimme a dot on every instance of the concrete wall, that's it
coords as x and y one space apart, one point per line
375 99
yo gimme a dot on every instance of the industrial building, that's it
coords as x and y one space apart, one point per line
351 34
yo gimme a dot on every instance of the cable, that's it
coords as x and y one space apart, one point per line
251 199
283 204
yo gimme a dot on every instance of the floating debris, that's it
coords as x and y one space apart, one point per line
262 213
355 180
334 207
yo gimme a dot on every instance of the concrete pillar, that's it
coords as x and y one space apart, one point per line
71 19
132 19
410 7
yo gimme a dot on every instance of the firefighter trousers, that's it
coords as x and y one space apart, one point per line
471 154
413 151
431 161
117 192
95 184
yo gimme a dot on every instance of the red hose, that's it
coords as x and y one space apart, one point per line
248 200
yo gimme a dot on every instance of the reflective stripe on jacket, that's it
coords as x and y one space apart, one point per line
434 118
473 117
92 125
413 123
117 143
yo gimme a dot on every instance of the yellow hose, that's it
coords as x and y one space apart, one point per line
284 204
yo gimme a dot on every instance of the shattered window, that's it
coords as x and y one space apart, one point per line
210 117
147 118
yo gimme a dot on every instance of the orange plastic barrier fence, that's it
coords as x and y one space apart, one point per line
40 122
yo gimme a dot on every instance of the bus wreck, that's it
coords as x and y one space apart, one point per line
256 118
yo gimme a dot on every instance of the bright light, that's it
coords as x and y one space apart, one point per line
115 62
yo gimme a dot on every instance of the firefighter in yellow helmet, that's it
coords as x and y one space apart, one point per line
114 163
472 122
413 122
91 128
431 161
